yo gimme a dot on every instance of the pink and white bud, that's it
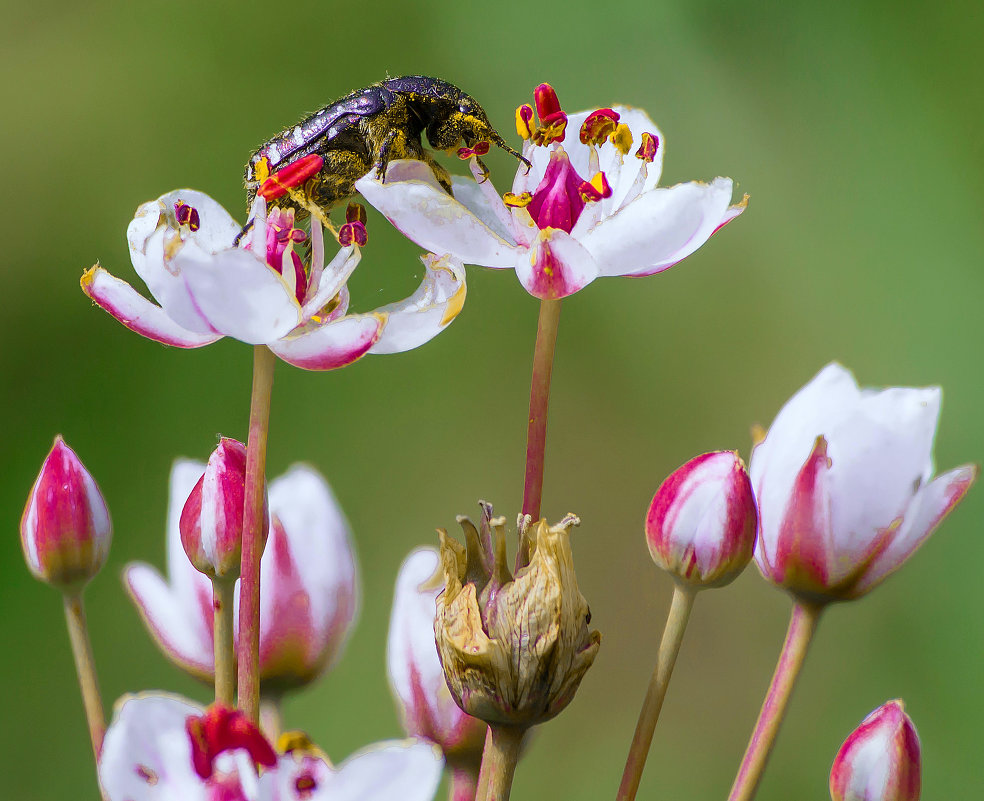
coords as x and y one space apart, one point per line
65 528
845 486
880 760
426 707
212 518
701 523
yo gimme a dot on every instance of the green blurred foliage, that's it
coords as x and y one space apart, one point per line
855 128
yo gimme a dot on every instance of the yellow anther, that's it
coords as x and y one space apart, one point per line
622 138
517 201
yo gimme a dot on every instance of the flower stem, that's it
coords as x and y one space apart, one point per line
502 746
271 719
536 432
464 782
85 667
223 594
253 525
802 626
669 647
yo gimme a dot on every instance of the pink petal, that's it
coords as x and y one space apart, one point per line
557 266
428 311
332 345
659 228
139 314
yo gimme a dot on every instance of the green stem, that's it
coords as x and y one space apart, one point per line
536 431
502 747
223 596
85 667
802 626
669 647
253 531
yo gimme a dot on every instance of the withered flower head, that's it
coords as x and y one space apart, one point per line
514 648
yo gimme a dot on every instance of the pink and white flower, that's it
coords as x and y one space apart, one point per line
65 529
308 575
161 748
416 677
880 761
701 522
845 486
209 285
584 209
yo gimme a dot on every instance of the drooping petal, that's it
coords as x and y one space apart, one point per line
659 228
421 210
931 504
331 345
138 314
428 311
557 266
332 280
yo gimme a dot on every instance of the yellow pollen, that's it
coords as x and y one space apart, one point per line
517 201
262 170
622 138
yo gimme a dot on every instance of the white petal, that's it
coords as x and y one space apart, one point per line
139 314
428 311
408 771
426 214
659 228
146 755
556 266
475 197
332 345
332 279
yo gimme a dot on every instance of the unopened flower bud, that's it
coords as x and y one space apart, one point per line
212 519
514 649
880 760
701 523
65 529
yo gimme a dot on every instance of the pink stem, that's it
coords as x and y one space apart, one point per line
802 625
253 524
464 782
536 432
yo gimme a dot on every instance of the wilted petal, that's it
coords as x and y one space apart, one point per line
426 214
557 266
138 314
428 311
334 344
659 228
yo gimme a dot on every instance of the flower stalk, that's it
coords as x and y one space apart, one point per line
223 597
669 647
802 626
502 747
464 783
85 667
536 432
253 526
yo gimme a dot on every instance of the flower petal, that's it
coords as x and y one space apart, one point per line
332 345
475 198
659 228
408 770
138 314
932 503
557 266
332 279
428 311
421 210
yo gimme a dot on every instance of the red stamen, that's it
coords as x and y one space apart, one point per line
598 126
596 189
355 212
290 176
480 149
553 120
647 150
187 215
353 233
222 729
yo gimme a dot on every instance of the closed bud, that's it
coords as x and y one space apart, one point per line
701 523
880 760
514 648
212 519
65 528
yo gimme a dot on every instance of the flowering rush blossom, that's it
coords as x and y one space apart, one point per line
211 282
415 673
880 760
588 207
701 522
308 574
65 529
845 486
161 747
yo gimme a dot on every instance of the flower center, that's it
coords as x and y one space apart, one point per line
221 729
562 194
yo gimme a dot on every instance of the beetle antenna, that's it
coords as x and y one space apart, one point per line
501 143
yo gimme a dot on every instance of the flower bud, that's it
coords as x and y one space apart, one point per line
880 760
65 528
701 522
212 519
514 649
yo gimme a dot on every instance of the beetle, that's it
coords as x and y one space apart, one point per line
365 130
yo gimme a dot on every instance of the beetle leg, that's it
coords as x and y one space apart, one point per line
245 230
442 175
483 168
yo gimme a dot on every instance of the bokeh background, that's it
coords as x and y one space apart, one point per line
855 127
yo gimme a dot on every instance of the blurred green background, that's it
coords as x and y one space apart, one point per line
856 128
